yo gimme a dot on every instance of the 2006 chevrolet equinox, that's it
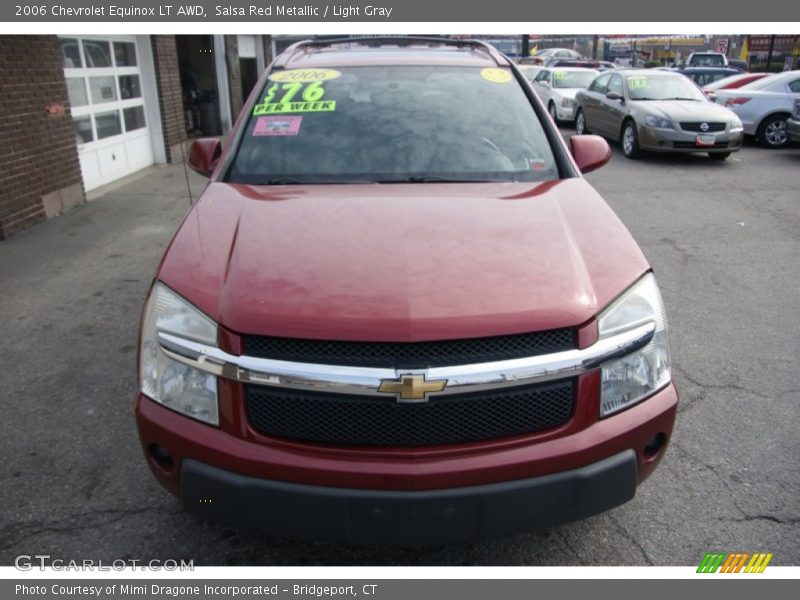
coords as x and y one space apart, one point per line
398 313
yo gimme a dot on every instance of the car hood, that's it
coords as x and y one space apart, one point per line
685 110
401 262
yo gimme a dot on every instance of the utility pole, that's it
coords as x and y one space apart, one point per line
526 45
769 53
595 40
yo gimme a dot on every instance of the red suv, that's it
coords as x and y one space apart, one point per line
398 313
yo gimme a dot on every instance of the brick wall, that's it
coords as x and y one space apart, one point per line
41 175
170 97
234 75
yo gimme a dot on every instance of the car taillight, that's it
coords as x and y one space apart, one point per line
736 101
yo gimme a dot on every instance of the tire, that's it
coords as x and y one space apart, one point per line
551 108
719 155
772 132
630 140
580 123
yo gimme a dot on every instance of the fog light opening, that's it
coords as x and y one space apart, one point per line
654 446
161 456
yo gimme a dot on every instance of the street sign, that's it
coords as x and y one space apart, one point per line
721 45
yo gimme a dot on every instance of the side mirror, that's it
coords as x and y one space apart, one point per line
589 151
204 154
613 96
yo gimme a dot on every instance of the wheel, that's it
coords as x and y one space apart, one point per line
580 123
772 132
630 140
551 108
719 155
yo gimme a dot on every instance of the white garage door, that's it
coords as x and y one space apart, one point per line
104 81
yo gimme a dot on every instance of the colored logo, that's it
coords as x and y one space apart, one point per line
411 388
736 562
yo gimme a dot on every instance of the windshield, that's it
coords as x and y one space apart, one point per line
642 87
393 124
573 79
707 60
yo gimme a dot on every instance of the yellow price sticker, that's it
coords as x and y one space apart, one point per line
496 75
304 75
637 82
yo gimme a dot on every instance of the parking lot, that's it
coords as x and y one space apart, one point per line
723 238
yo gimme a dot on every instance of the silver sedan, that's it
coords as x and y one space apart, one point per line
657 111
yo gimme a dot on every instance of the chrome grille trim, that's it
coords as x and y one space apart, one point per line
366 380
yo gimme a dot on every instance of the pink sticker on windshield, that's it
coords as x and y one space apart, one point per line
277 125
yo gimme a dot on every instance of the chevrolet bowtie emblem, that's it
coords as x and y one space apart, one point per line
411 388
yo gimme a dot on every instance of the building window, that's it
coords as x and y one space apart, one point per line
76 88
97 53
108 124
103 89
134 118
129 87
125 54
83 129
70 53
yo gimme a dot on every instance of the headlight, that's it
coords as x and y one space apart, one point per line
566 103
175 385
627 380
654 121
736 126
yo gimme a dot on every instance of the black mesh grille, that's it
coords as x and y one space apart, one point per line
374 421
415 355
696 147
696 126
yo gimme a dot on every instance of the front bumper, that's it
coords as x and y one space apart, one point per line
407 518
793 129
655 139
367 495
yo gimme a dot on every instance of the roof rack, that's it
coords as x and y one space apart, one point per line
410 40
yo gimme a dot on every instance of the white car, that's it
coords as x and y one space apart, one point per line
557 87
764 105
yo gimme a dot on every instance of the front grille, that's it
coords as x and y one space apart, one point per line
696 147
413 355
695 126
376 421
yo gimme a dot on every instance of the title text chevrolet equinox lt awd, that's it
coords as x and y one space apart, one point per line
398 313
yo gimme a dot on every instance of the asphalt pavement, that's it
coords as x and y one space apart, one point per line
723 238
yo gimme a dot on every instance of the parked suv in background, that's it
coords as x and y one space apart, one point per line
398 312
707 59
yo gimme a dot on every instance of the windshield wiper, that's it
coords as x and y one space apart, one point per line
679 98
438 179
296 181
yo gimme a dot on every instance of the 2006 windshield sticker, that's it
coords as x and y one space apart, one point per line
297 91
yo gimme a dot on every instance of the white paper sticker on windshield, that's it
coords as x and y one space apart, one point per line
289 125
